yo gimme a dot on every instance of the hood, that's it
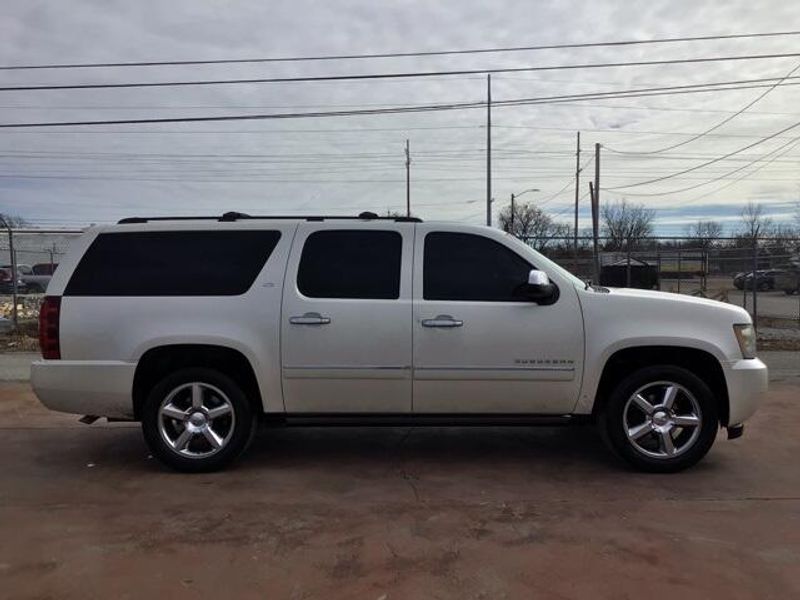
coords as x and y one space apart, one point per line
670 300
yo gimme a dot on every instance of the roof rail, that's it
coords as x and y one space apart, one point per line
233 216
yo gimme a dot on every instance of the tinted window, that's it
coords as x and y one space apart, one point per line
462 266
351 264
172 263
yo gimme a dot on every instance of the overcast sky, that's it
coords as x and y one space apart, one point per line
344 165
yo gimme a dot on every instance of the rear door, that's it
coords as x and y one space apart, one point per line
346 318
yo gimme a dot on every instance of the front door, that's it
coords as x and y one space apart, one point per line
346 315
478 347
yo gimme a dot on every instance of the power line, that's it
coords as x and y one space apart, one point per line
691 134
431 157
705 164
227 61
637 92
788 145
396 75
359 130
252 180
726 120
569 183
362 130
791 146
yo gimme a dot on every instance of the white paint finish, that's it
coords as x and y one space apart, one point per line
626 318
359 361
334 395
124 328
101 388
507 356
747 381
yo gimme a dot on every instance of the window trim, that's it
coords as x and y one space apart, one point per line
483 237
73 281
356 230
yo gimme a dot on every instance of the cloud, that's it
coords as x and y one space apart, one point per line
345 165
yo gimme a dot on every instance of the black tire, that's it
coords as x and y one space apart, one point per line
615 429
239 427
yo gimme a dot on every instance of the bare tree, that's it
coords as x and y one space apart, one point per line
784 239
625 223
13 220
704 233
532 224
754 223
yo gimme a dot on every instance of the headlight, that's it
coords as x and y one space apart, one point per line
746 336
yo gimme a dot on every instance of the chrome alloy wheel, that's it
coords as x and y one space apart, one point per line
196 420
662 419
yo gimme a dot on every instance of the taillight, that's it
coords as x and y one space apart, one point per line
49 315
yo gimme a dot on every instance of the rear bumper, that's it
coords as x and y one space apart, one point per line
101 388
747 381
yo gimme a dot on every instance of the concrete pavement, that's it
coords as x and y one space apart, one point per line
397 513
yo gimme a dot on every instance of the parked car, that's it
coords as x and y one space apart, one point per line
34 281
6 282
44 268
765 279
788 281
315 320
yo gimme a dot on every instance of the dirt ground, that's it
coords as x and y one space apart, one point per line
397 513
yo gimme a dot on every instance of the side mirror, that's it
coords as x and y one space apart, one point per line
539 289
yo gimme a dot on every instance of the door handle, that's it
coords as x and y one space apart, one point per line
310 318
442 321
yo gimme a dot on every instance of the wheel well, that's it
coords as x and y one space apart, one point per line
699 362
159 362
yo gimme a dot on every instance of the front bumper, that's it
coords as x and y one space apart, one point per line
101 388
747 381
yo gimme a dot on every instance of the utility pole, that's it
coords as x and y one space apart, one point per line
489 149
512 214
408 180
596 211
577 198
52 252
13 260
755 282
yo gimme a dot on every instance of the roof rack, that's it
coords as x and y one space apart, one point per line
237 216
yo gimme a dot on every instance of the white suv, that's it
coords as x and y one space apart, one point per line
201 327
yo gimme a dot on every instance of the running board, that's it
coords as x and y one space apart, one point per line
417 420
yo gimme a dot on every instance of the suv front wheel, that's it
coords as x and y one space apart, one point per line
197 420
661 419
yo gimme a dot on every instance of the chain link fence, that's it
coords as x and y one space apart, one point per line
28 258
762 277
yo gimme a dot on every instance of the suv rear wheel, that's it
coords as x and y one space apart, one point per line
661 419
197 420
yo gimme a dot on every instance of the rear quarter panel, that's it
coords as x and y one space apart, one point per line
124 328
